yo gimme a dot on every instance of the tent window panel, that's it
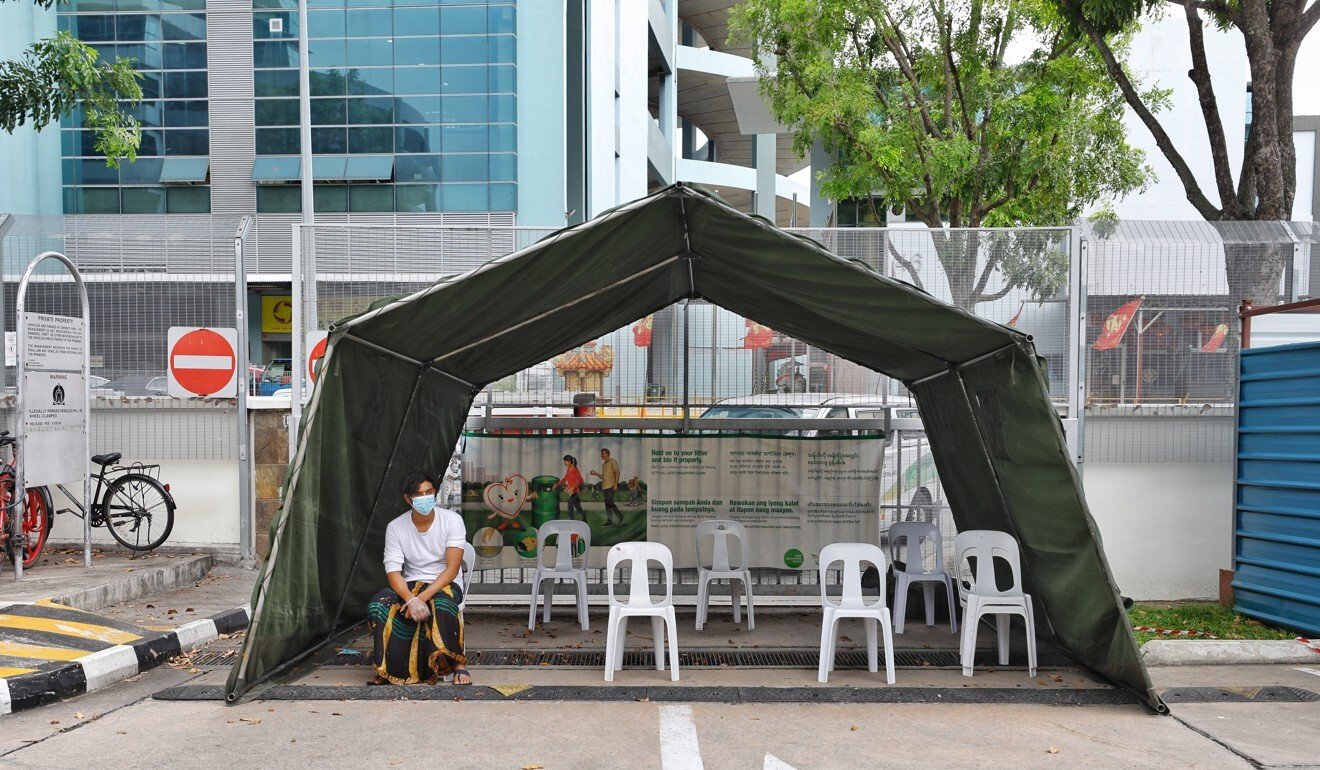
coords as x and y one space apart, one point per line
990 418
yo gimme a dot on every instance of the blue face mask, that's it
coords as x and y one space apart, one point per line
424 504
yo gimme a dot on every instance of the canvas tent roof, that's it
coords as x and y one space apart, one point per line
397 382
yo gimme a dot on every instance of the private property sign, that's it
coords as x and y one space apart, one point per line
54 398
202 362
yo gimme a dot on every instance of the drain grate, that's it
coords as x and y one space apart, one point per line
743 658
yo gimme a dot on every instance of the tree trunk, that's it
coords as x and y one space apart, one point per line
957 252
1255 270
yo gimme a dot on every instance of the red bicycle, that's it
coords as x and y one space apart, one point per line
37 517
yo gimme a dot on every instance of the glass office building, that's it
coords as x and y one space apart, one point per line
166 39
413 105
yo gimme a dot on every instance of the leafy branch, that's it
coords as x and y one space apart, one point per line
55 76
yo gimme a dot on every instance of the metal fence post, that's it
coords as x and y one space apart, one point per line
295 359
6 222
246 534
1079 246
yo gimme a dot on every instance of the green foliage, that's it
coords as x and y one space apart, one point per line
1206 617
966 113
57 75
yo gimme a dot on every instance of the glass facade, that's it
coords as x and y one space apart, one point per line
428 83
167 41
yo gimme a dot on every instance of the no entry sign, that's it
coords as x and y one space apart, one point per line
316 342
202 362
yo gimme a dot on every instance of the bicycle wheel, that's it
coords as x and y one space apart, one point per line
138 512
36 527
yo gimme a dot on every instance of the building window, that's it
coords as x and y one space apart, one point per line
167 42
431 83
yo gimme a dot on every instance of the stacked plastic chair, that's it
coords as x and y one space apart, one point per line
981 595
724 567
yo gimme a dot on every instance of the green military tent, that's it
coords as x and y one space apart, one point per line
398 380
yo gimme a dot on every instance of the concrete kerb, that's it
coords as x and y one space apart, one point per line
90 593
1210 652
115 664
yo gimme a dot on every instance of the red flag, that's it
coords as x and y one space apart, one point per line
1013 321
642 332
1216 339
758 336
1116 325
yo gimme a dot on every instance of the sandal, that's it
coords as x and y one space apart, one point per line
377 680
462 672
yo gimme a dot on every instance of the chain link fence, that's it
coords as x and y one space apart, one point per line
143 276
1162 333
1136 322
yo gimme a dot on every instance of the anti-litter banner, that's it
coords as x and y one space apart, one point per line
793 495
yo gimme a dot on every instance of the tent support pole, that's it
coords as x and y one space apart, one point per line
460 381
382 349
687 360
542 316
687 236
991 354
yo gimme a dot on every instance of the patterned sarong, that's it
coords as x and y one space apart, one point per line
407 654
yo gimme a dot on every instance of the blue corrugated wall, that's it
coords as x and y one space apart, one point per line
1277 502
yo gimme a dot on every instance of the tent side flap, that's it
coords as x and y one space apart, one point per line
1063 560
330 496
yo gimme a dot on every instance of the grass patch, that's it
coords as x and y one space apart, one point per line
1208 617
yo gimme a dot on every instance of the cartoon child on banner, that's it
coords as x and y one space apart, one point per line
505 500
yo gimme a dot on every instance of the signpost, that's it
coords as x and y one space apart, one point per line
202 362
53 436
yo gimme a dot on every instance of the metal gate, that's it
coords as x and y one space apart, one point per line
1277 498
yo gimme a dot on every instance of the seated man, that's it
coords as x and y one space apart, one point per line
416 624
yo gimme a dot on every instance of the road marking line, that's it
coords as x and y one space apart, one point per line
68 628
775 763
203 362
1310 671
15 671
20 650
679 749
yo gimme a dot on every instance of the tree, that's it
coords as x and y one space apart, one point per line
57 75
924 106
1272 32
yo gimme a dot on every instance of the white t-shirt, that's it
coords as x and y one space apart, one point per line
421 555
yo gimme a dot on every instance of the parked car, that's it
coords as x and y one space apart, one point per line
277 374
136 385
813 406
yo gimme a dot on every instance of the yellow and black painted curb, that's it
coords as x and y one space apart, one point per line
49 651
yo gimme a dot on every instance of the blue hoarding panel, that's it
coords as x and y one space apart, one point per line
1277 497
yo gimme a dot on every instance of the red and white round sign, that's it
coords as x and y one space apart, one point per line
316 342
202 362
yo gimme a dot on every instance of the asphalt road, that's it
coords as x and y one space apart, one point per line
122 726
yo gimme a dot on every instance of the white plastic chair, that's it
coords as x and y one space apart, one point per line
720 531
909 535
981 595
469 564
635 556
853 605
562 569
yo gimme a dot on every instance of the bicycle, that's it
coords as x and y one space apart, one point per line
135 501
37 516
